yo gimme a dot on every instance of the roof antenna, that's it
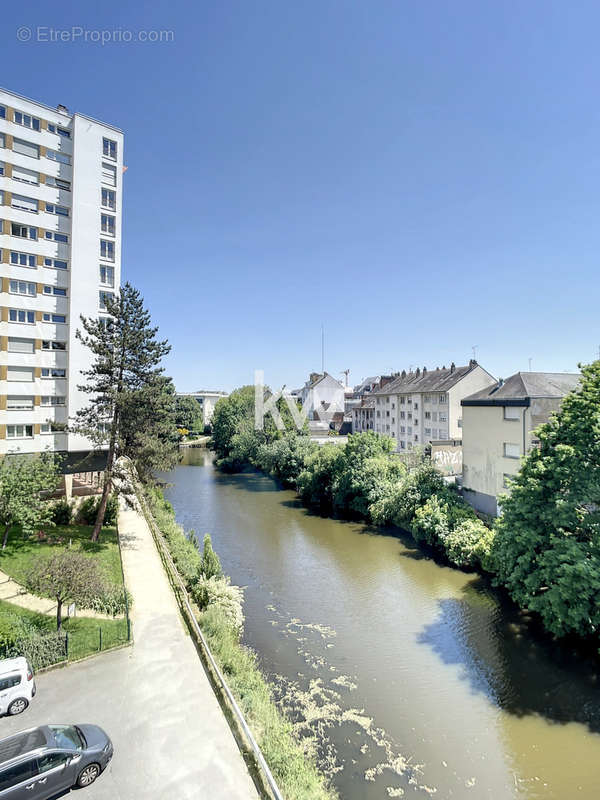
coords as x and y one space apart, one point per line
322 349
529 359
474 348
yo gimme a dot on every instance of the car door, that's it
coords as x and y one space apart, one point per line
20 781
4 692
55 773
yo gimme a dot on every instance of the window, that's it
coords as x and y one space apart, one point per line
427 431
2 112
58 182
20 315
403 415
21 287
1 167
511 450
402 401
107 250
54 155
443 434
459 422
402 429
52 760
23 231
109 174
19 402
107 275
22 259
102 299
62 211
109 148
54 317
64 133
57 237
55 290
55 263
26 148
18 345
27 121
51 127
442 398
2 140
512 412
17 432
24 203
402 445
107 224
428 415
427 398
104 427
25 175
416 407
53 372
434 416
21 374
109 199
54 400
50 344
443 416
434 433
26 770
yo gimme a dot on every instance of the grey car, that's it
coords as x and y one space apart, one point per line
41 762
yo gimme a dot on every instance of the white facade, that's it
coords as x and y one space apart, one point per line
207 401
323 396
420 407
61 203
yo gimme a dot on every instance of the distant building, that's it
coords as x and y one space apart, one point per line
207 400
420 407
498 425
363 405
322 397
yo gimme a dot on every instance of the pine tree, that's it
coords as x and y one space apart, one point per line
123 383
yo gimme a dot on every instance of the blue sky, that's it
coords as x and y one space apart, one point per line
419 177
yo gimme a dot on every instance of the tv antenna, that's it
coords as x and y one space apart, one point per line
345 372
475 348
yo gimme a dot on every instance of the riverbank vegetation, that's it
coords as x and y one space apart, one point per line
219 613
544 549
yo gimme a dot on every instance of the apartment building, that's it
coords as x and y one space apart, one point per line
420 407
498 430
60 256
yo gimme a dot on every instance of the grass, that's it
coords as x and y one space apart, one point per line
20 553
84 633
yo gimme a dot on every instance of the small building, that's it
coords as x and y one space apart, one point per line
363 415
498 430
322 397
207 400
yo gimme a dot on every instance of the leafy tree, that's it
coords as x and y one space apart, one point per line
211 565
285 458
317 479
547 544
23 479
125 387
365 463
188 413
66 575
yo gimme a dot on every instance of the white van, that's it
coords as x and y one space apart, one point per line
17 686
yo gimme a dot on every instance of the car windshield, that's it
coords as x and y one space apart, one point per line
67 736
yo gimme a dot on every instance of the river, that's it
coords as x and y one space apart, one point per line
411 678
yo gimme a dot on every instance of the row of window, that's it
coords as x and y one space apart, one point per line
30 204
407 400
28 317
30 289
33 233
33 178
27 374
17 344
26 431
31 150
17 402
19 259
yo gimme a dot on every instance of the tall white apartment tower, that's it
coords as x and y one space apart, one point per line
60 255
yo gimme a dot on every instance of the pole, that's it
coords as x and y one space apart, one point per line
323 349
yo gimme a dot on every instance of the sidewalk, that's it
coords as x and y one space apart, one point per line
190 750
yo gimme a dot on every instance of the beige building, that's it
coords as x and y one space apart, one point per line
498 424
420 407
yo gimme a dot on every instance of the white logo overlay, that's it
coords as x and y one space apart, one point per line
317 403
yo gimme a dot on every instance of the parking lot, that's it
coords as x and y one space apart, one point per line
154 700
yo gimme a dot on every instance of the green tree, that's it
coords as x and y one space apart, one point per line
125 386
547 545
23 480
211 565
66 576
188 413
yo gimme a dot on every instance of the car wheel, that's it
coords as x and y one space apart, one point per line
17 706
88 775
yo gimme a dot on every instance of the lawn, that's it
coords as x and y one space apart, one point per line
84 633
20 553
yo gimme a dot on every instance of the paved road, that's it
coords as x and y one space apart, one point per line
153 699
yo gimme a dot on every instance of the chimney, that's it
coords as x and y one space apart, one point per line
500 382
62 109
452 367
418 372
424 371
472 363
403 373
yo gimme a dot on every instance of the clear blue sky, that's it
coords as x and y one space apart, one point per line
420 176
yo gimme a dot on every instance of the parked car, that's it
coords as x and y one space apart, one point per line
17 686
41 762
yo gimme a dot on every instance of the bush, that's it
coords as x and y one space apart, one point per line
88 511
220 593
285 458
111 600
21 637
62 512
465 544
431 522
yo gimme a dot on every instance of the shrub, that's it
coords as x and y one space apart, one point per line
88 511
111 600
285 458
210 566
316 481
463 543
41 649
62 512
220 593
431 521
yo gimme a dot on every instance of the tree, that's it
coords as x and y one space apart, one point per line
23 479
547 545
211 565
188 413
66 575
125 385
